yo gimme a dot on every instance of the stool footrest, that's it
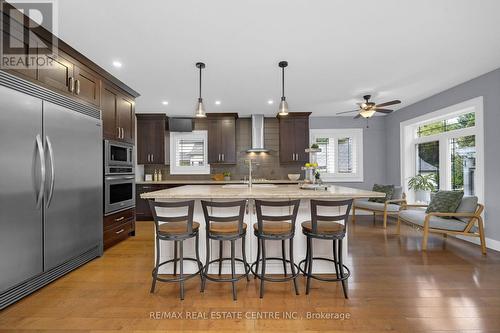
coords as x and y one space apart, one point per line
267 278
236 278
178 279
316 277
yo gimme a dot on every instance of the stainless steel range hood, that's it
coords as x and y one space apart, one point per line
257 134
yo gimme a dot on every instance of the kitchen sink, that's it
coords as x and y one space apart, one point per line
246 186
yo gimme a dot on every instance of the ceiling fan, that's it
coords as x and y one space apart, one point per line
367 109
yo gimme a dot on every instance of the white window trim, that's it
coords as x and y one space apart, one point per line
408 139
188 170
357 135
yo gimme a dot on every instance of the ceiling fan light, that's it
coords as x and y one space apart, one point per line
367 113
283 108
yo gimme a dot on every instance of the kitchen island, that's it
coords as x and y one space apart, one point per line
232 192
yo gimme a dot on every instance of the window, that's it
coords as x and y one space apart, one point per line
188 153
341 156
447 143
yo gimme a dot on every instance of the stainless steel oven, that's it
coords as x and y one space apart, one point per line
119 193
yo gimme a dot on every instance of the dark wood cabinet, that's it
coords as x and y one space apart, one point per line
118 226
59 75
294 137
87 86
151 138
222 138
118 115
142 211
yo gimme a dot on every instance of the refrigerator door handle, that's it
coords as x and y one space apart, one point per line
52 171
41 156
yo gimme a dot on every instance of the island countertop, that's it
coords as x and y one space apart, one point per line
259 192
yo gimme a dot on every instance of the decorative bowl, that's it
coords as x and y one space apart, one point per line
294 176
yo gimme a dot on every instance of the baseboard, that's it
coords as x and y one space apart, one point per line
491 244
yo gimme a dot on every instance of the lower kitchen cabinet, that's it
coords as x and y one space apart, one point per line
118 226
142 211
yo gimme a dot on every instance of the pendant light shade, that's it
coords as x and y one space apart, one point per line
200 109
283 108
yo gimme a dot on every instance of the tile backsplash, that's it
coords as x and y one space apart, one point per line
268 165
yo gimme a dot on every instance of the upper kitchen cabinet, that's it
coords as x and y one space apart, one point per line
117 115
294 137
151 129
222 138
59 75
87 85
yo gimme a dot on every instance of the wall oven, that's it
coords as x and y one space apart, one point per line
119 193
119 177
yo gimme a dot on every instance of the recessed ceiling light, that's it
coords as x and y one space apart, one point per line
217 102
117 64
270 102
164 102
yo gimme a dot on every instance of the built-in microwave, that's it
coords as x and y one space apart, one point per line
118 157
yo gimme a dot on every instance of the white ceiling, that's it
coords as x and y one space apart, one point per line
337 50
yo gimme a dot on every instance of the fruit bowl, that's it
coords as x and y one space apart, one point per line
294 176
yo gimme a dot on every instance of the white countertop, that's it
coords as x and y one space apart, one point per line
256 192
214 182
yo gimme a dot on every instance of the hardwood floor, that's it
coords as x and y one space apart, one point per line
394 287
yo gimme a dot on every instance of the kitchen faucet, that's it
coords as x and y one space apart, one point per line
250 162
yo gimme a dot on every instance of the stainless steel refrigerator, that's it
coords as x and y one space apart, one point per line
50 186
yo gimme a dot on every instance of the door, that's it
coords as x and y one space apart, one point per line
87 86
227 140
109 124
301 138
73 205
213 141
125 115
145 128
287 140
20 187
59 75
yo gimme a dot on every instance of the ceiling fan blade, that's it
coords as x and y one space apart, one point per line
397 101
357 116
383 110
348 112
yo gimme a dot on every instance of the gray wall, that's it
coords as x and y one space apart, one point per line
488 86
374 146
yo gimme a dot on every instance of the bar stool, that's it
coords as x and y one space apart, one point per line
176 229
275 227
225 228
325 227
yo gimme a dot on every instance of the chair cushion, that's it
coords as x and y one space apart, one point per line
366 204
176 228
387 189
225 228
324 227
445 202
398 193
417 216
467 205
274 227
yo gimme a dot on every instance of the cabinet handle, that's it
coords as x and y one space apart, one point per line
118 128
123 133
218 159
71 84
223 159
120 219
120 231
77 87
152 157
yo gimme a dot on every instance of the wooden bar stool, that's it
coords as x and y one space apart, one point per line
325 227
176 229
275 227
225 228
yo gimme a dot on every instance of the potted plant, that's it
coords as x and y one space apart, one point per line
422 185
227 175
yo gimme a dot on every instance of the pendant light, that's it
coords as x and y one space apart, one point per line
200 109
283 108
